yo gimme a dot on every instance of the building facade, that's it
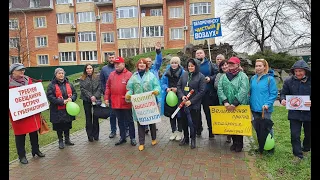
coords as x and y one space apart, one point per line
74 32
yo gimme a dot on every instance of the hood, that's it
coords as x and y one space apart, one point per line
271 72
301 64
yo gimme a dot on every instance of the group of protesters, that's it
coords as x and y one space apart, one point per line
222 82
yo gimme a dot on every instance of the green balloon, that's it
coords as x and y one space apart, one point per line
172 99
73 108
269 144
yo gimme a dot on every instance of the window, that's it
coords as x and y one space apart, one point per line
67 56
13 23
108 37
128 52
127 33
107 17
176 12
200 8
15 59
40 22
86 17
155 12
152 31
63 1
176 33
41 41
89 36
70 39
34 3
79 1
65 18
13 42
43 59
148 49
126 12
88 55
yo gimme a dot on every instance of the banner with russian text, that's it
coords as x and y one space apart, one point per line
27 100
237 122
146 108
206 28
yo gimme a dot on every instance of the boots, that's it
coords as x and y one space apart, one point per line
184 141
193 143
67 138
60 137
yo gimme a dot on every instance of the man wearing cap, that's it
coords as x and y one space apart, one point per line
233 90
30 124
116 91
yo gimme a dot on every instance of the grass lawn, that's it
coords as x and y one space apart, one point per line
280 165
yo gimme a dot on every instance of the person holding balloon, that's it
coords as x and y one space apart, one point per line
169 82
60 93
143 81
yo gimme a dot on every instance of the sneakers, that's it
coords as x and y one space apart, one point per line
141 147
112 135
154 142
133 142
179 136
173 135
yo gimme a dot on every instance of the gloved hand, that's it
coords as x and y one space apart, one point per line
155 92
128 96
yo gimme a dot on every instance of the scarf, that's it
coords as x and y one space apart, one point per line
20 80
173 71
304 79
234 71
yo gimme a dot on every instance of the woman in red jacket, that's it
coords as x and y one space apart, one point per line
26 125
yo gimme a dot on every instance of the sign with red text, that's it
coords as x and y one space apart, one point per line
27 100
297 103
146 108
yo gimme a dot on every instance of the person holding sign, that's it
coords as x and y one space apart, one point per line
90 93
116 90
28 125
143 81
190 114
169 82
263 92
300 85
60 91
233 90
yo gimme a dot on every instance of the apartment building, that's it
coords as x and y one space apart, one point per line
74 32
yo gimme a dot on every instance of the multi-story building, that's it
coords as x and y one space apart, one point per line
73 32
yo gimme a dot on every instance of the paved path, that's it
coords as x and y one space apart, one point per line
101 159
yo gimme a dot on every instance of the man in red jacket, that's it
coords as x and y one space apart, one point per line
116 90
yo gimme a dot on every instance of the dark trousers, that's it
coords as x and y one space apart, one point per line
195 114
237 140
142 134
92 122
113 120
20 143
66 133
207 100
125 118
174 122
295 128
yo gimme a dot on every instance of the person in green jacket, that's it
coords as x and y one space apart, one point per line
233 90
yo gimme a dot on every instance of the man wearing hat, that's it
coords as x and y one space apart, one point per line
30 124
116 91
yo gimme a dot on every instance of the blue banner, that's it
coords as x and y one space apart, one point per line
206 28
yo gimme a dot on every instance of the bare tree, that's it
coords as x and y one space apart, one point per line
257 23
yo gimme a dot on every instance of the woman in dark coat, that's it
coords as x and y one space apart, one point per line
191 79
60 91
90 94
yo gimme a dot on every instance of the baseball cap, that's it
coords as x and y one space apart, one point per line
16 66
234 60
119 60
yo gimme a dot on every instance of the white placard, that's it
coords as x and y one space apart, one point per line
146 108
297 102
27 100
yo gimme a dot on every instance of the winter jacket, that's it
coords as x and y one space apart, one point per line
156 66
104 75
136 85
293 86
90 86
263 91
169 80
59 116
197 83
236 89
116 89
28 124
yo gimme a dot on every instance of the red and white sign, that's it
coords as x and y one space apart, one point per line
297 103
27 100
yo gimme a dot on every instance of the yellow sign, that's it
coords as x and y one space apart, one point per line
237 122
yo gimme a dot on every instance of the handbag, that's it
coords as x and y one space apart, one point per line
44 128
101 111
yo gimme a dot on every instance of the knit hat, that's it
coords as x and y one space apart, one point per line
16 66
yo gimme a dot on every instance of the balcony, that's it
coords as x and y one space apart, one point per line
66 47
103 2
151 3
152 21
32 5
66 29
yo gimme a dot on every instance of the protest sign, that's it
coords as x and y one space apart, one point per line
206 28
237 122
146 108
27 100
297 103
